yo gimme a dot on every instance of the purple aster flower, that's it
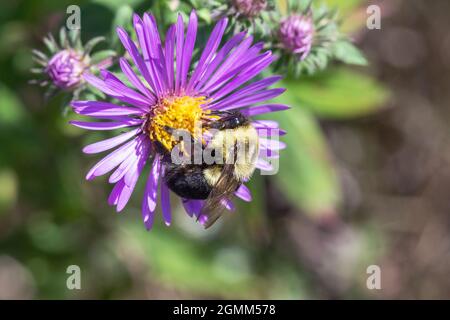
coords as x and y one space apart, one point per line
249 8
296 34
170 90
251 15
67 60
307 38
66 67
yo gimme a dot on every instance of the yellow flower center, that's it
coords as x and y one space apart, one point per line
179 113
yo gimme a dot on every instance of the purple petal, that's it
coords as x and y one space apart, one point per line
115 193
265 124
99 84
103 109
240 74
129 186
124 197
117 89
105 125
150 194
244 193
169 55
271 144
247 64
236 77
134 53
223 52
192 207
209 51
270 132
156 62
230 62
191 35
148 216
112 160
263 165
153 80
153 40
268 153
256 98
228 204
179 51
165 204
125 93
134 79
248 90
203 219
254 111
133 164
123 168
141 152
110 143
105 63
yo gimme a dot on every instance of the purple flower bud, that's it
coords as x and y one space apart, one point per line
297 34
66 67
249 8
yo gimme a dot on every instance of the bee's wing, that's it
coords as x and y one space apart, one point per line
224 188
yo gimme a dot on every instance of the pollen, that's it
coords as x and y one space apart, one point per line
179 113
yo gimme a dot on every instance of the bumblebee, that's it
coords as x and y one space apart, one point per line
234 147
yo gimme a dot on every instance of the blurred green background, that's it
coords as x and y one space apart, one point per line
364 181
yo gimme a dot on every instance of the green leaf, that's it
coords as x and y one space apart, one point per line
306 173
205 15
338 94
11 110
351 14
282 6
348 53
51 44
8 190
75 39
47 236
114 4
123 18
92 43
345 7
102 55
253 211
183 262
63 38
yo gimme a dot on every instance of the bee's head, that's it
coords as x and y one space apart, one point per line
230 120
237 120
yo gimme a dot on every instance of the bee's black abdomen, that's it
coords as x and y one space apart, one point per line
187 181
